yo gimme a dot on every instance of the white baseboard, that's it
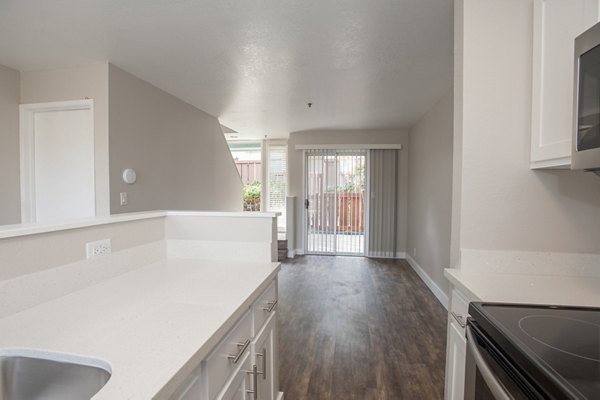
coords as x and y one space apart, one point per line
435 289
382 254
291 253
300 252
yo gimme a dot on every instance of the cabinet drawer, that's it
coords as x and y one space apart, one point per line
260 309
220 365
191 390
238 386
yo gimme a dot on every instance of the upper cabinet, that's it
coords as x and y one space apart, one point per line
556 23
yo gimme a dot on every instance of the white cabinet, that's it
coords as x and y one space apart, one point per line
239 386
226 357
264 351
456 347
264 307
556 23
455 364
191 389
244 364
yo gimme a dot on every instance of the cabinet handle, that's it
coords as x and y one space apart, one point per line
271 305
264 358
254 391
255 372
460 319
242 349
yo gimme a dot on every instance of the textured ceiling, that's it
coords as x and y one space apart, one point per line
255 64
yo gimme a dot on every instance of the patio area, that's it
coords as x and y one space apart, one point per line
344 243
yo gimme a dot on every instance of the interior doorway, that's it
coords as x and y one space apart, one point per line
335 204
57 161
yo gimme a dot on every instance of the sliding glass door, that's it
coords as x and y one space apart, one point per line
335 201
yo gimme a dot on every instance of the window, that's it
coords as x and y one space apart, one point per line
277 180
268 178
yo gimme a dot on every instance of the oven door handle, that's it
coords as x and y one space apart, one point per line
492 382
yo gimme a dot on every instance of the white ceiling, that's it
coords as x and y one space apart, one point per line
255 64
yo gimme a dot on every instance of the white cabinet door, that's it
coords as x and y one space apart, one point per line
265 358
455 364
556 23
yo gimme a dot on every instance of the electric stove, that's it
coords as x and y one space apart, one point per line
554 349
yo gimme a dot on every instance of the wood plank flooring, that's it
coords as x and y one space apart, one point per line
358 328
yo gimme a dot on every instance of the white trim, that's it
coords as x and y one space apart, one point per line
383 254
291 253
367 206
26 133
7 231
555 163
435 289
27 185
300 252
348 147
81 104
245 214
264 159
303 207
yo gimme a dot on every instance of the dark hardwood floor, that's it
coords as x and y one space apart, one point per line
358 328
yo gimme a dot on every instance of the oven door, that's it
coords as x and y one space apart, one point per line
489 374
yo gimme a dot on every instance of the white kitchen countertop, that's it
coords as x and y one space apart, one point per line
522 288
152 325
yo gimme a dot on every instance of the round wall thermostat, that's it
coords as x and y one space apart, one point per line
129 176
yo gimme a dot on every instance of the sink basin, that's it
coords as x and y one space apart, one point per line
28 377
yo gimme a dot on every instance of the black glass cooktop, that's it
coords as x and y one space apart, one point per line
557 347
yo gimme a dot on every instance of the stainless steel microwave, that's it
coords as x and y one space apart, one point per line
586 133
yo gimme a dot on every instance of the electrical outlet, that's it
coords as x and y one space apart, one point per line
123 198
98 248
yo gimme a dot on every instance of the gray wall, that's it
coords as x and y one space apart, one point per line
178 151
10 196
296 183
430 190
90 81
502 203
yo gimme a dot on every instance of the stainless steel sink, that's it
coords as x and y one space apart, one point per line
26 377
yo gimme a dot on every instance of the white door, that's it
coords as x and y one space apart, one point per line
61 162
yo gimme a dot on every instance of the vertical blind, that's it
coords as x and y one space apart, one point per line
383 215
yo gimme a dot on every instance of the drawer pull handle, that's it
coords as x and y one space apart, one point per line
271 305
263 355
242 347
460 319
255 372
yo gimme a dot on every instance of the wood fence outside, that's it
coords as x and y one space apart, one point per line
350 210
249 171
